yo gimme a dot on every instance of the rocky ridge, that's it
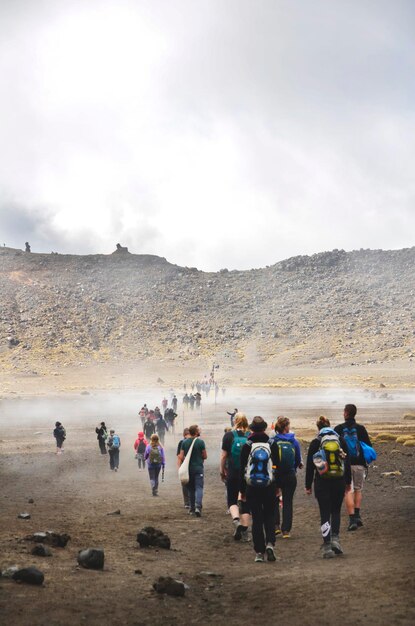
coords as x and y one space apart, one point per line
338 307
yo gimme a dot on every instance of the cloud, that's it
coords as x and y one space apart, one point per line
216 134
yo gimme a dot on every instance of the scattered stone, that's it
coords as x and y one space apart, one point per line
91 558
31 501
116 512
391 474
23 516
409 416
211 574
138 571
170 586
41 550
59 540
150 536
160 380
382 386
29 575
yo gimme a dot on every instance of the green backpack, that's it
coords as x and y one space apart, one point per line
155 456
239 440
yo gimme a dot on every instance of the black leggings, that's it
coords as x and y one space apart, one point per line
329 494
262 501
288 485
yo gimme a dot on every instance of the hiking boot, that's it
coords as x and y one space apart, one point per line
191 512
259 557
328 553
198 512
335 544
352 525
285 534
237 535
277 532
270 553
358 521
245 536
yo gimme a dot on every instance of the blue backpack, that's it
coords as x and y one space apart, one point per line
353 443
259 470
369 453
239 440
286 456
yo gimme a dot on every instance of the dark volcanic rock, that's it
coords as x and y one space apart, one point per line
59 540
24 516
91 558
41 550
29 575
170 586
150 536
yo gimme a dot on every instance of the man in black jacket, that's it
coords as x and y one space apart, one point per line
353 433
261 498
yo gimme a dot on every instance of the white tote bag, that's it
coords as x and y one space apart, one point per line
184 467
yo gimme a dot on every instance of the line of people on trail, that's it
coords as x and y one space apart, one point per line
260 474
153 422
192 400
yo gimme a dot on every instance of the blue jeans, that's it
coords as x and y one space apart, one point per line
195 485
114 458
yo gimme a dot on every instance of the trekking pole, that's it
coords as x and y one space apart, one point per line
162 474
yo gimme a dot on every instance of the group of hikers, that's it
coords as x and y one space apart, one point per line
153 422
260 473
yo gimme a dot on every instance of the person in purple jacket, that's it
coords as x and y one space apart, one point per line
156 460
289 461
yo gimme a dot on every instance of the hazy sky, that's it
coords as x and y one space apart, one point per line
216 133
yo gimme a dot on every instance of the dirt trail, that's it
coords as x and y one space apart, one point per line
371 584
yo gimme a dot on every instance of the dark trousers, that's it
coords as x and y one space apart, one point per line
102 446
186 496
140 460
262 502
329 494
161 434
114 458
153 472
288 485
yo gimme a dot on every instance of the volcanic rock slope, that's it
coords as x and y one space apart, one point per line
338 307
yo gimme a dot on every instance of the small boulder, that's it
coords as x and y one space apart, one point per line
116 512
23 516
29 575
170 586
150 536
59 540
91 558
41 550
9 571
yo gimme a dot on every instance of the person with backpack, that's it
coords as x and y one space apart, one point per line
102 435
149 428
259 459
59 433
230 464
114 444
170 415
289 460
185 486
174 403
161 427
354 433
156 460
328 466
140 446
196 468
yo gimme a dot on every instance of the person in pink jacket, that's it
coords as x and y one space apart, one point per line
140 446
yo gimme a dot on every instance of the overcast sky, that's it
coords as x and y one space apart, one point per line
216 133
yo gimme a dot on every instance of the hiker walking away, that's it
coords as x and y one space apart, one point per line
102 435
259 458
170 416
353 433
192 400
328 466
230 465
196 468
142 415
186 400
114 444
289 460
140 446
60 435
156 460
161 427
164 403
198 400
174 403
185 487
232 416
149 428
157 413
